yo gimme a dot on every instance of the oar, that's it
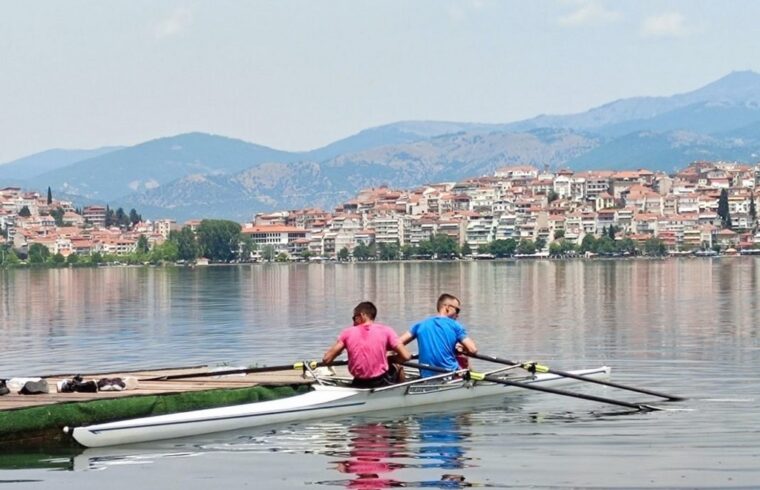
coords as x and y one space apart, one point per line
265 369
546 369
532 386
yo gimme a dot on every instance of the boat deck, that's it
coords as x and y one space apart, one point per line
13 401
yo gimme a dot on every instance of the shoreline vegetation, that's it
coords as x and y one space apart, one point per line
223 242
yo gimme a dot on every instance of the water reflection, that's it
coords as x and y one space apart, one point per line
271 313
377 453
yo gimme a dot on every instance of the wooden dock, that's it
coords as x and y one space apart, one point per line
13 401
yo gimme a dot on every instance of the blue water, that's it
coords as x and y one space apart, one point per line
684 326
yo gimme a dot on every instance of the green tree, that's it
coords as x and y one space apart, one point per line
187 245
268 253
752 210
57 215
24 212
247 247
605 246
282 257
72 259
552 196
408 251
466 249
361 251
306 254
611 231
559 234
568 247
388 251
120 218
134 218
502 248
588 244
444 246
142 245
343 254
627 246
425 249
96 258
49 196
540 243
38 253
655 247
218 239
109 217
166 252
8 257
526 247
58 259
723 211
555 249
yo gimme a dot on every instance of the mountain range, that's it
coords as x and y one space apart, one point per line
201 175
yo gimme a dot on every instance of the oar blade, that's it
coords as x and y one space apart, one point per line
541 368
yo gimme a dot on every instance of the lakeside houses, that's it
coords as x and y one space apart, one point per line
520 202
26 218
524 202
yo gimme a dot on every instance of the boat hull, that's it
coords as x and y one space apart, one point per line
324 401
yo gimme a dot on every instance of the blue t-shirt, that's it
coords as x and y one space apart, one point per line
437 338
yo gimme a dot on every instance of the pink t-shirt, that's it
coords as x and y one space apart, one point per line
367 347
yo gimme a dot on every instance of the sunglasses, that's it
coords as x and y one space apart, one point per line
456 308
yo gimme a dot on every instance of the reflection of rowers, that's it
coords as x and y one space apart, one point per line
372 447
368 344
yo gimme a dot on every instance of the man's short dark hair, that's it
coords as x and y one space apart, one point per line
366 308
442 299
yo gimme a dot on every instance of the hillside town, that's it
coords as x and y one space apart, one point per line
707 206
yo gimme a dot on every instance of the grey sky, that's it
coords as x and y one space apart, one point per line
296 75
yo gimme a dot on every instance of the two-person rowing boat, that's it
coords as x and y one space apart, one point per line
331 396
380 386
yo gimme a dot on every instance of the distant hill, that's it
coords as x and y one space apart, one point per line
664 151
738 89
156 162
272 186
46 161
196 174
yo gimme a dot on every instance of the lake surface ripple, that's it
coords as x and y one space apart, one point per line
682 326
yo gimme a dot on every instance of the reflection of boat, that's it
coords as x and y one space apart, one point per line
60 458
331 397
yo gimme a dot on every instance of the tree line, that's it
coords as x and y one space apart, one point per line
218 240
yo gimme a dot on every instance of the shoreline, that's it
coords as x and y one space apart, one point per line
399 261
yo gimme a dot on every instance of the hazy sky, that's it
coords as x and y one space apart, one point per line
296 75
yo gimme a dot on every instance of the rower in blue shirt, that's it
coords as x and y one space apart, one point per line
438 337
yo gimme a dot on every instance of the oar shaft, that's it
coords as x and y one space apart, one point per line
536 387
582 378
615 385
555 391
227 372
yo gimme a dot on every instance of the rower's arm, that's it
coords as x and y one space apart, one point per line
402 353
469 345
405 338
333 352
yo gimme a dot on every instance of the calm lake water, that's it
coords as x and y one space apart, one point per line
683 326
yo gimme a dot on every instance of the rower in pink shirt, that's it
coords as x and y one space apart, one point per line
367 344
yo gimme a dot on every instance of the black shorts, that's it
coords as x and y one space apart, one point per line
386 379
